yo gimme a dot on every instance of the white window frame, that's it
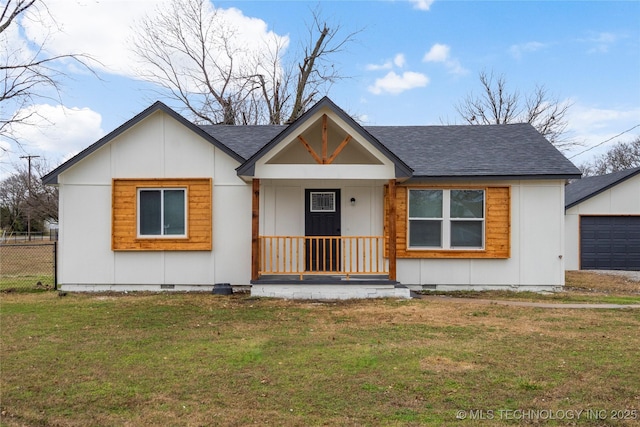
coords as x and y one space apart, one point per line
162 235
446 220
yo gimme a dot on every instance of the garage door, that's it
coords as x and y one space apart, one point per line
610 243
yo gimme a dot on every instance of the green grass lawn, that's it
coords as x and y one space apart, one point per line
201 359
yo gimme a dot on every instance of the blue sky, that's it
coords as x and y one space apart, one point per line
411 63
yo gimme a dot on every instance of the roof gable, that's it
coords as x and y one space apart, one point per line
305 123
52 177
324 142
586 188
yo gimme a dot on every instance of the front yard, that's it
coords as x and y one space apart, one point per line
201 359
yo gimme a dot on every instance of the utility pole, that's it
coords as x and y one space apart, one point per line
29 196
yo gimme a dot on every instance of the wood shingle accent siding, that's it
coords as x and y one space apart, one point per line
124 235
497 225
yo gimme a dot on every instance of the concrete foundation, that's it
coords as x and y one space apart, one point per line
325 291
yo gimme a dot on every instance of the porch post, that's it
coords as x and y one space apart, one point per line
392 229
255 230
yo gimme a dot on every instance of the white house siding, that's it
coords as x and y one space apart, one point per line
622 199
283 210
537 245
282 213
157 147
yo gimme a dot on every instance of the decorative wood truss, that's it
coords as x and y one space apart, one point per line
324 160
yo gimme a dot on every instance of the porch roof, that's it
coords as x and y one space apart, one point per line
402 170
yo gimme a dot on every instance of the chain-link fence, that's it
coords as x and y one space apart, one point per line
28 266
32 237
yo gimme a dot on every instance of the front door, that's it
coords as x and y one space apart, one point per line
322 218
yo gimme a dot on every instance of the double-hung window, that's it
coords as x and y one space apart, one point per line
162 212
446 219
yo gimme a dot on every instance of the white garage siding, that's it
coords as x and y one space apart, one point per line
602 237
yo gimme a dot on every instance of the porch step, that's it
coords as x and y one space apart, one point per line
329 291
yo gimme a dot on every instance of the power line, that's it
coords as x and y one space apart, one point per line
606 140
29 201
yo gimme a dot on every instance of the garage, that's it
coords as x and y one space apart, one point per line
610 243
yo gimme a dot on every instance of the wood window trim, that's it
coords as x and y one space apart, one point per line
124 221
497 240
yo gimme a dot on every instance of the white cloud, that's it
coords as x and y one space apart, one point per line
4 146
592 118
593 125
517 50
441 53
394 84
105 30
437 53
456 68
56 132
422 4
399 61
602 42
99 29
376 67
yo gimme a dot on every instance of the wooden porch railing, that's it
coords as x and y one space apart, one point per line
341 255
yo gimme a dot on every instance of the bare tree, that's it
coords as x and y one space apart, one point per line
23 196
191 51
622 156
315 70
27 75
498 105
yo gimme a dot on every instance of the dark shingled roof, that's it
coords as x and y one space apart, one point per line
500 151
511 151
586 188
244 140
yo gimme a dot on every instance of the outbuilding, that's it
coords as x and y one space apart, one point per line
602 222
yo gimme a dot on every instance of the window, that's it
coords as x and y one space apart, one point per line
184 205
323 201
467 218
162 212
446 219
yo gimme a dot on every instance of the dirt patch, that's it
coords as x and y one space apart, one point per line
608 282
444 364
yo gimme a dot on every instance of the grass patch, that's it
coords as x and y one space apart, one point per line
201 359
157 359
580 287
27 267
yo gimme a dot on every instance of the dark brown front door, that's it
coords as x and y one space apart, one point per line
322 218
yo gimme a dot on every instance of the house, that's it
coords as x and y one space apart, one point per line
320 208
602 222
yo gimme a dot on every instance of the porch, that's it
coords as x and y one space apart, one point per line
337 257
320 227
324 267
330 257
